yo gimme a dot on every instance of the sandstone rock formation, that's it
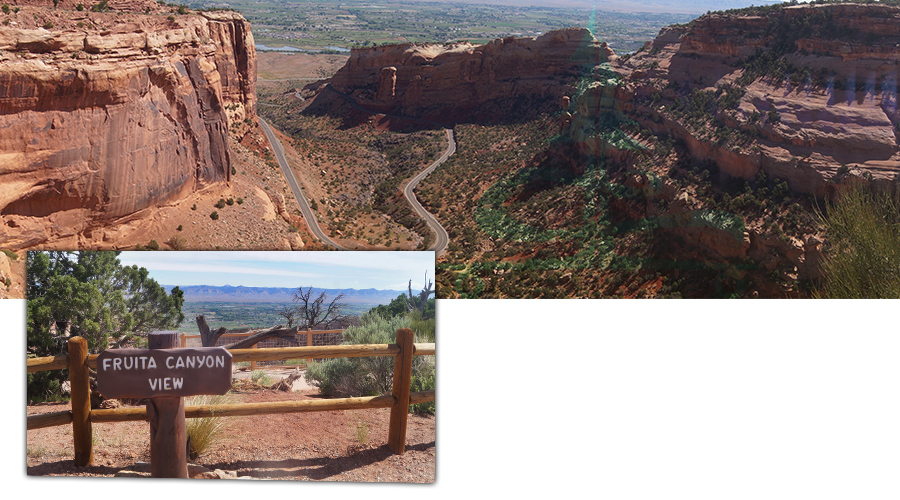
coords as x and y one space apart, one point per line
107 114
821 103
434 80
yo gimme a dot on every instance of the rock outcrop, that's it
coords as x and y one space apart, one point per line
443 81
107 114
817 90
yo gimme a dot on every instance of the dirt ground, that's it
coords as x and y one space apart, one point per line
346 445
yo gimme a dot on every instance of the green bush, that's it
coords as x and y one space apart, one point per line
862 259
221 203
424 380
214 216
369 376
5 9
260 377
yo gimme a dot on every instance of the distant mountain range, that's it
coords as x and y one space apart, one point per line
227 293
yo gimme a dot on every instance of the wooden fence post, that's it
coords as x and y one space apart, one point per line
402 379
183 340
309 341
168 434
81 402
253 363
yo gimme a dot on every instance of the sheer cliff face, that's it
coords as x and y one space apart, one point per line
438 79
98 124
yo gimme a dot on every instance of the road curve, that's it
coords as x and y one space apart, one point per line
295 187
443 239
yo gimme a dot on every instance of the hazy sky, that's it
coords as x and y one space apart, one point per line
360 270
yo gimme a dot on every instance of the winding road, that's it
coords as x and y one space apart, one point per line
308 214
443 239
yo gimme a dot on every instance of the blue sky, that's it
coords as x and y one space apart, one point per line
360 270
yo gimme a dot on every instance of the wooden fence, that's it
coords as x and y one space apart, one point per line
309 338
81 416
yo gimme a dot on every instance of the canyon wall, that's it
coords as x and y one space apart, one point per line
105 114
452 79
817 83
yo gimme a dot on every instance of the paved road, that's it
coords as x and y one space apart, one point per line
443 239
295 187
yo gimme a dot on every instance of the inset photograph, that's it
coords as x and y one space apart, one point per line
312 366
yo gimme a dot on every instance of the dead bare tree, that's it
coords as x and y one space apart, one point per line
209 338
417 302
288 313
313 310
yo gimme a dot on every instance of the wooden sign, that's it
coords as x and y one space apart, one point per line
148 373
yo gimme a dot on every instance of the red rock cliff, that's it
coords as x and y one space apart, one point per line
419 79
821 102
105 114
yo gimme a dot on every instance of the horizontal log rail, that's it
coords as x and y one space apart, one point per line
49 419
265 408
267 354
48 363
247 334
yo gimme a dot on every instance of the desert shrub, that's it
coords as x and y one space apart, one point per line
194 206
12 255
260 377
101 7
863 255
79 7
176 242
204 432
153 245
229 201
424 380
5 9
372 375
214 216
221 203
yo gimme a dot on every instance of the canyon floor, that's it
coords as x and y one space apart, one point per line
351 164
320 446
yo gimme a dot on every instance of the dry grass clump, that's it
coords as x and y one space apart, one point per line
203 433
